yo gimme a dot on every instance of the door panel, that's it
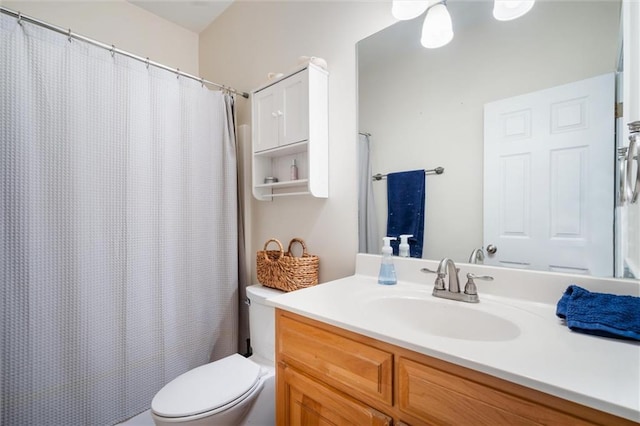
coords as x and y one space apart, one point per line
549 166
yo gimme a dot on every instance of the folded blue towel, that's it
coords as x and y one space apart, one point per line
405 199
601 314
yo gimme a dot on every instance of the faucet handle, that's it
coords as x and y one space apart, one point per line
439 284
471 276
470 287
431 271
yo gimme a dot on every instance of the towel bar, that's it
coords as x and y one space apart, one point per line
436 171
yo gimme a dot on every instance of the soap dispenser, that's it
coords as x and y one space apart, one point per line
403 249
387 274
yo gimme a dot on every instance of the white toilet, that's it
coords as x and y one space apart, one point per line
233 391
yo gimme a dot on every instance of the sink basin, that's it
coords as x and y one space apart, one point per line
454 320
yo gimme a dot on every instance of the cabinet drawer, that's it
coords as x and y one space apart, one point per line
311 403
443 398
353 367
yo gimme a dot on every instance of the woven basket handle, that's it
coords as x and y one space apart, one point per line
279 245
304 247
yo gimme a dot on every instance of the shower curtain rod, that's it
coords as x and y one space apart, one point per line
115 50
437 171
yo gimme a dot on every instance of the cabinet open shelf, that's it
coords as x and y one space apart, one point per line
284 184
295 148
269 191
287 194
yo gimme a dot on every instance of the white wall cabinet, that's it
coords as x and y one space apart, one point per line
290 123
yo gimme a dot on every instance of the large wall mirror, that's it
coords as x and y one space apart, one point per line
425 108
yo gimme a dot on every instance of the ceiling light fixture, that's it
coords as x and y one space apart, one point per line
506 10
408 9
437 29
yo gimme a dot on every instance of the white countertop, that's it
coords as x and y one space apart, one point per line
543 354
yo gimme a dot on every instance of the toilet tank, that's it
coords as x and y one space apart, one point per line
262 325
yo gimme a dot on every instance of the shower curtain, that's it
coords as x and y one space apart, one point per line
118 229
369 241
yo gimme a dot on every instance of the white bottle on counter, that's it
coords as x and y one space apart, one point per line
403 248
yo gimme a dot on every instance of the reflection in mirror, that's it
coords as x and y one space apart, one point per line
424 108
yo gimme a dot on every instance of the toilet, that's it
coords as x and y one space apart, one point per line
233 391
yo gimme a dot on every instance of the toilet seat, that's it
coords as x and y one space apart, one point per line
210 388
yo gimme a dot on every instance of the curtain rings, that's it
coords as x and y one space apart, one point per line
177 72
146 62
69 35
113 50
20 18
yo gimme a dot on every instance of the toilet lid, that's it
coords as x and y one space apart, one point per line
207 387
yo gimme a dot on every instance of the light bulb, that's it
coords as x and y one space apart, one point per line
437 29
408 9
506 10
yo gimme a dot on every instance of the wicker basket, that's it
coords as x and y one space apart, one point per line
283 271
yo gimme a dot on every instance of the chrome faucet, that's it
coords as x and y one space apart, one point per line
477 256
445 267
448 267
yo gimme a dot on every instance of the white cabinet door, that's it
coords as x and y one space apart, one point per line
549 164
281 113
294 122
266 119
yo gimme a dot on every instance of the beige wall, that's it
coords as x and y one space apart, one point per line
122 24
252 39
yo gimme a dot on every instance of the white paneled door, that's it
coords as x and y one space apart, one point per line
548 178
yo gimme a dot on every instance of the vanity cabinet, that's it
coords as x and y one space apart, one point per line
290 123
328 375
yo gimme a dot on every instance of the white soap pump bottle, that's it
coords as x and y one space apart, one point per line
387 274
403 249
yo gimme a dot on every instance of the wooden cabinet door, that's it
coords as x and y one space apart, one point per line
357 369
439 397
306 402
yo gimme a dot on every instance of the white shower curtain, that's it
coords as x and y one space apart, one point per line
118 233
368 238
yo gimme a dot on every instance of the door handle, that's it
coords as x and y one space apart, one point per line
622 175
633 187
491 249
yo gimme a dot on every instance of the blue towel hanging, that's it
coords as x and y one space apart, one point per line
600 314
405 200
